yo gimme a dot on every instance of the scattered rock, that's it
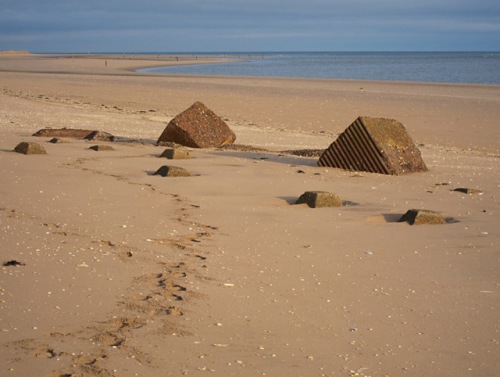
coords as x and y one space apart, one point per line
467 190
56 140
175 154
422 217
29 148
198 127
318 199
375 145
172 171
99 148
13 262
99 136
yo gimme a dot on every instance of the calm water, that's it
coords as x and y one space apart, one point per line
453 67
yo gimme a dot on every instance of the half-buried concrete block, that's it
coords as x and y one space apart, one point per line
29 148
319 199
172 171
175 154
100 148
422 217
99 136
375 145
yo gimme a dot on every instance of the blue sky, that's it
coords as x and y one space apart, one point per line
249 25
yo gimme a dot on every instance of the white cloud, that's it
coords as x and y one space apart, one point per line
271 21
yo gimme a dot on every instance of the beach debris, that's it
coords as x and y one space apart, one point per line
198 127
376 145
172 171
99 148
243 148
74 133
319 199
175 154
422 217
63 132
305 152
13 263
468 191
99 136
29 148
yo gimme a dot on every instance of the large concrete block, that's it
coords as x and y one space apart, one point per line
375 145
198 127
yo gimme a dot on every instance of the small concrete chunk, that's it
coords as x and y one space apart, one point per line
99 148
318 199
172 171
422 217
29 148
99 136
56 140
175 154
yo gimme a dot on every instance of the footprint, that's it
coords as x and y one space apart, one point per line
45 353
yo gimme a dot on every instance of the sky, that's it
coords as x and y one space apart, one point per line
121 26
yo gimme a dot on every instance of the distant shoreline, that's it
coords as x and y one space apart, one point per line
13 52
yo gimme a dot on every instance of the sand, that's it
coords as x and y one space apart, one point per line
122 273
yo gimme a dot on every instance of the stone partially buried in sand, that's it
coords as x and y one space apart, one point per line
172 171
75 133
29 148
375 145
175 154
99 148
62 132
57 140
198 127
422 217
468 191
319 199
100 136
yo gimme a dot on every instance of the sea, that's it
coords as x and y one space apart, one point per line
443 67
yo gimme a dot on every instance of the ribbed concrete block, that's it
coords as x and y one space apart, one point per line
375 145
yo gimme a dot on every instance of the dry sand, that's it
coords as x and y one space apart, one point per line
128 274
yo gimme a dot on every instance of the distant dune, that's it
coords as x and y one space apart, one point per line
12 52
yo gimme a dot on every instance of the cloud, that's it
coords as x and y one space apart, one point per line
154 24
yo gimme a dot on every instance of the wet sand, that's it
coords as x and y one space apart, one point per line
128 274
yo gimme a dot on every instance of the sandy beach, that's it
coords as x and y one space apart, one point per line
122 273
